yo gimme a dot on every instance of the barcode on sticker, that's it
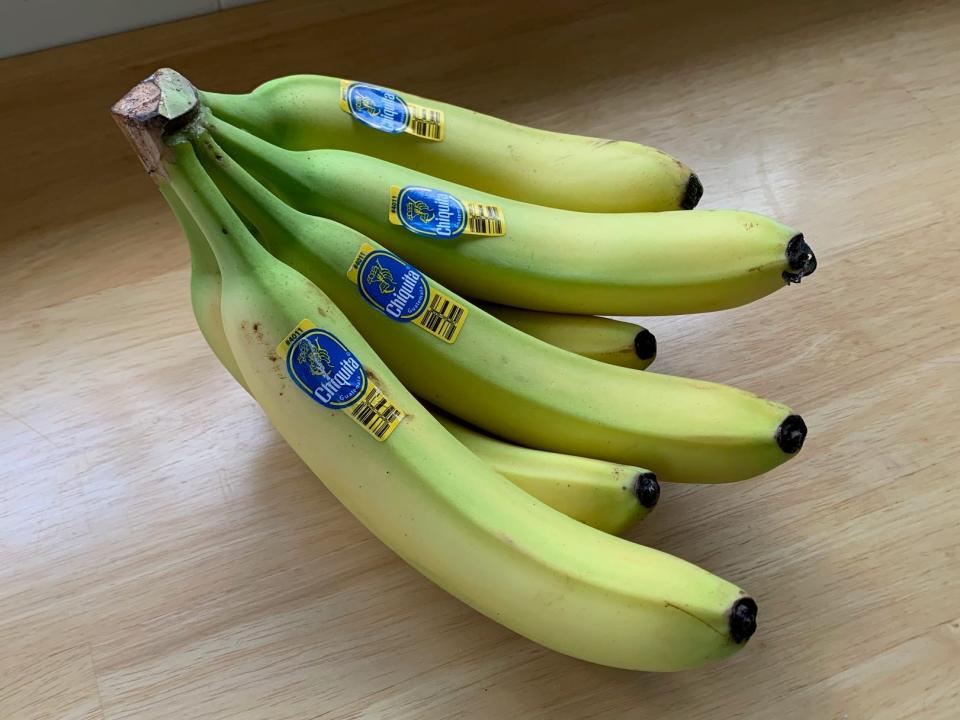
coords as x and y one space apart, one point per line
376 414
444 317
483 219
426 123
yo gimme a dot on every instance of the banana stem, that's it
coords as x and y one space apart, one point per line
232 244
236 109
262 159
268 213
156 116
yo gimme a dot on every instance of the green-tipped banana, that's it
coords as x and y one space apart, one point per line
304 112
546 259
610 341
554 580
475 367
607 496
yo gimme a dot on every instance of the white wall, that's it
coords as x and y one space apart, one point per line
27 25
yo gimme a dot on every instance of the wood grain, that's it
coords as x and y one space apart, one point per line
164 555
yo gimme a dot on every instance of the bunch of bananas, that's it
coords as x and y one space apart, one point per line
409 289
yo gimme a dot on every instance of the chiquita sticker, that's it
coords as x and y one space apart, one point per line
401 292
428 212
438 214
377 107
392 286
328 372
324 368
386 111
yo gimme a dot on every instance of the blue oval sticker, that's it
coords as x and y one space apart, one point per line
326 370
377 108
430 212
394 287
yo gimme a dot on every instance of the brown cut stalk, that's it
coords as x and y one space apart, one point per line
153 109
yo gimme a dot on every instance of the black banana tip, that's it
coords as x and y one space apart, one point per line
647 490
692 193
743 620
645 344
800 259
791 433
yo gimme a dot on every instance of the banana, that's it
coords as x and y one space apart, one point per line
546 259
304 112
553 580
472 365
204 285
607 496
611 341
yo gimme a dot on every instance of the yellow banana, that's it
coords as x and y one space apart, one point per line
554 580
303 112
607 496
460 358
545 259
611 341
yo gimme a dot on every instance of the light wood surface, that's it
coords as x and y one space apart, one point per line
164 555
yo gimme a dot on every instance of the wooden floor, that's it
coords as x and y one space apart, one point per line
164 555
